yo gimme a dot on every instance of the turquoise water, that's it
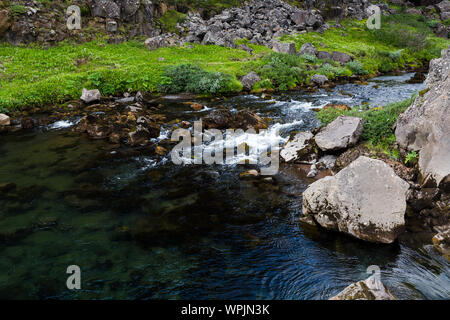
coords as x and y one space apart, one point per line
140 227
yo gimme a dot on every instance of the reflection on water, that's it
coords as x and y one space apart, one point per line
142 228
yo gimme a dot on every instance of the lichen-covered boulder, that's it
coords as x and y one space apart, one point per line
370 289
342 133
424 126
366 200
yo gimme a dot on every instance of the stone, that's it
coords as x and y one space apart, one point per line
249 80
322 55
4 21
298 148
341 57
89 96
443 7
366 200
370 289
342 133
280 47
111 26
424 128
246 119
218 119
308 48
441 241
140 136
4 120
249 174
27 123
105 9
319 79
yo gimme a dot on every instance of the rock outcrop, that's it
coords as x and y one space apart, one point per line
366 200
258 21
342 133
424 127
370 289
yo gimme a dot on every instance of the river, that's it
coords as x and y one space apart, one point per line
140 227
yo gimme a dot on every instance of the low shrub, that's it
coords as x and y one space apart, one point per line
191 78
356 67
286 71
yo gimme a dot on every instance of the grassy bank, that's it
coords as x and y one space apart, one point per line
378 130
35 77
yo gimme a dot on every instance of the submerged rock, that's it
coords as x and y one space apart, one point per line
370 289
342 133
366 200
441 241
298 148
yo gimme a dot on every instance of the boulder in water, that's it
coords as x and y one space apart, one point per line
370 289
298 148
342 133
366 200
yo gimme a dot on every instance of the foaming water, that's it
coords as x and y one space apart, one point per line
140 227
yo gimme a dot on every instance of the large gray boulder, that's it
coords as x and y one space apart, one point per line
366 200
342 133
424 126
298 148
370 289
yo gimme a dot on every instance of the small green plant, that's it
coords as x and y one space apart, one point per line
357 68
412 158
17 10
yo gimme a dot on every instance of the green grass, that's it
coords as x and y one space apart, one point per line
33 77
404 40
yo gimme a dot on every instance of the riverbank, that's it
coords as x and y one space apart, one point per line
36 77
